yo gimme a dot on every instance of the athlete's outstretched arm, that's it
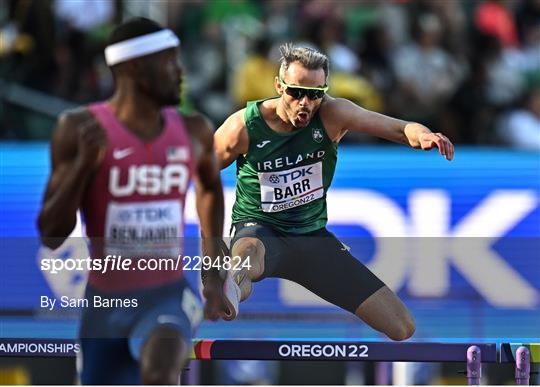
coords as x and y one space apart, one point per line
231 139
349 116
77 149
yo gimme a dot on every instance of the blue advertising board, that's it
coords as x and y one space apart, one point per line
458 241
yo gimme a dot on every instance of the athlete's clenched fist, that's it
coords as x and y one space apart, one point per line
92 144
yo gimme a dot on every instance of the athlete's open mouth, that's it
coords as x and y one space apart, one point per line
303 116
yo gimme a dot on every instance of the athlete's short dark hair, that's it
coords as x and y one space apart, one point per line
310 58
132 28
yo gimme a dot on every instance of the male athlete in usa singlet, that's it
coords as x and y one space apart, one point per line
126 164
136 200
134 209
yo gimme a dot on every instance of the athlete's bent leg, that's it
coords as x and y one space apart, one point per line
324 266
163 356
384 312
252 249
237 280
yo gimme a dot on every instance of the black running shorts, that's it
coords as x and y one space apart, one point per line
316 260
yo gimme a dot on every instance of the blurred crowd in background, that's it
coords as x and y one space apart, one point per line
467 68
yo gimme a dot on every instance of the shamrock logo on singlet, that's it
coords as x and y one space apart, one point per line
317 134
274 179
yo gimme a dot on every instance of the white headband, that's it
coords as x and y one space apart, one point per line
140 46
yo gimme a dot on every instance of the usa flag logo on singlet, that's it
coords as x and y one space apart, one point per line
177 153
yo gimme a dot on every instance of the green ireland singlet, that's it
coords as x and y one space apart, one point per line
283 178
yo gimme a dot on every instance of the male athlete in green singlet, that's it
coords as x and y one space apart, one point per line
286 151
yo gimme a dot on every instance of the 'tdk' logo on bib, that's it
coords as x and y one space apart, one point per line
291 188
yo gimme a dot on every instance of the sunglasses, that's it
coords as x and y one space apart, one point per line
298 92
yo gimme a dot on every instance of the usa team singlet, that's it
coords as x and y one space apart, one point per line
283 178
134 206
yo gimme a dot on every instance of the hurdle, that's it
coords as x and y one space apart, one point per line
471 354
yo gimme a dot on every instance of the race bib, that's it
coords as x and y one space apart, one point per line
291 188
144 229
